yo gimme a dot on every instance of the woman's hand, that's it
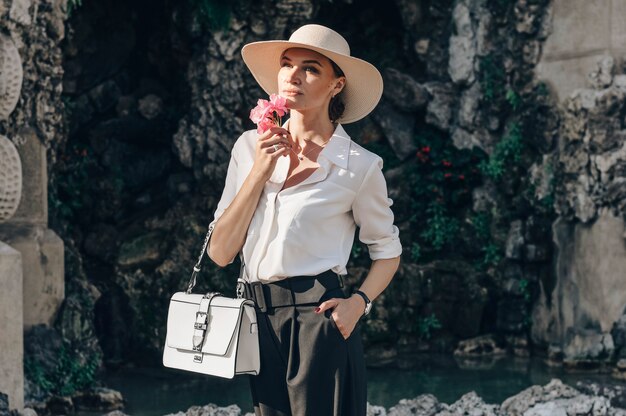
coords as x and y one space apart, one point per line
345 312
265 156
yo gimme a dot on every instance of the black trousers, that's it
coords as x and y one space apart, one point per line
307 367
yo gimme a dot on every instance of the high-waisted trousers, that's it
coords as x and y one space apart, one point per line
307 367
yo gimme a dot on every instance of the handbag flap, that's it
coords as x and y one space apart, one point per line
223 321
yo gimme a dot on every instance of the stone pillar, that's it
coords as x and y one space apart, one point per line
576 314
11 323
27 232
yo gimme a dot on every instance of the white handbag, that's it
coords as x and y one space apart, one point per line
210 333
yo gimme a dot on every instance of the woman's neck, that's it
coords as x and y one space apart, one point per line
305 129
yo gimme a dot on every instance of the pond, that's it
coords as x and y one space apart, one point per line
151 392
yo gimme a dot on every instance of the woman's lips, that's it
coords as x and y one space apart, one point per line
292 92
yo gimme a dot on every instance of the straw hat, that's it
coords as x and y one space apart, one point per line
364 84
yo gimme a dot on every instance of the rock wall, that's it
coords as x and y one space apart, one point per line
154 111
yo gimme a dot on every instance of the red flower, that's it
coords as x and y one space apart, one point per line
447 175
461 177
426 149
446 163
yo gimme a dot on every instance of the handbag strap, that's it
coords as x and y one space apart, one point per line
197 267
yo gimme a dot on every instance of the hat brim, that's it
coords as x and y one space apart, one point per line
364 83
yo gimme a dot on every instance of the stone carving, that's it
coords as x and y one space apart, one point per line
11 75
10 179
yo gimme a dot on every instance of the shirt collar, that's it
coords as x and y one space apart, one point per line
337 149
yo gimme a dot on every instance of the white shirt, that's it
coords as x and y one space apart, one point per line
309 228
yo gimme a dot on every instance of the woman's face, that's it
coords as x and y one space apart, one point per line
307 80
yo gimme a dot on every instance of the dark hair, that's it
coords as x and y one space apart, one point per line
336 106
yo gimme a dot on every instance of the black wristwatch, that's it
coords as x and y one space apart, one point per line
368 302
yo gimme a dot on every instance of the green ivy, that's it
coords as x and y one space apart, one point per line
426 325
69 375
492 77
215 14
490 251
72 5
416 251
507 153
441 228
66 198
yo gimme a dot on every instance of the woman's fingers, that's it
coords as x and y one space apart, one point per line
329 304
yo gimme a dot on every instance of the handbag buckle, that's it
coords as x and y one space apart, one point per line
241 288
199 325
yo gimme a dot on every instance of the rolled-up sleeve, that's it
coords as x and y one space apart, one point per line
229 192
372 213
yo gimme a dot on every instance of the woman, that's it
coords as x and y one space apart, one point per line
292 200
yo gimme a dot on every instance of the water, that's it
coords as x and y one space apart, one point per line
151 392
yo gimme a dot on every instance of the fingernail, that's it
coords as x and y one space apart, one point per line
317 309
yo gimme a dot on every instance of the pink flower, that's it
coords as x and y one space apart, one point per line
279 103
268 113
264 125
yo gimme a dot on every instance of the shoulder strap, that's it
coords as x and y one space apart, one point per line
197 267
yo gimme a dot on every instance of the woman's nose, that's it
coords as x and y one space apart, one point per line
291 75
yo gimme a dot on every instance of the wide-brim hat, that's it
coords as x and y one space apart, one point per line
364 84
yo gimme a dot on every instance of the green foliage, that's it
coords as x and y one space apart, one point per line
66 199
440 182
416 251
441 228
524 289
69 375
491 252
508 152
514 99
214 14
492 77
72 5
426 325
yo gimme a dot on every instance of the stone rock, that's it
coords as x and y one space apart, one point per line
515 240
469 105
210 410
60 405
148 248
20 12
518 404
618 332
403 91
150 106
483 345
512 313
484 198
587 290
398 128
527 16
463 44
615 392
583 346
98 399
423 405
375 410
439 108
470 404
105 96
602 76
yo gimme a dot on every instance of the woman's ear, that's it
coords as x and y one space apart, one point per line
339 85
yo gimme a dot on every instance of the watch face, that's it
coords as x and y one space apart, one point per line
368 307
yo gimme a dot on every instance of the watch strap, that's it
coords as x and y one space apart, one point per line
365 298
